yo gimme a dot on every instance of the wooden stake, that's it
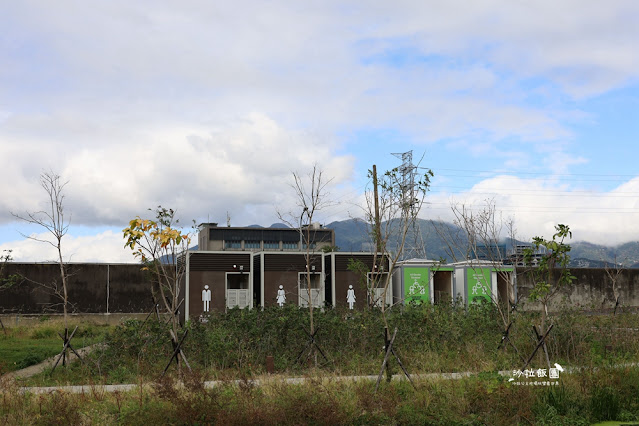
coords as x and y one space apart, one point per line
389 351
67 343
539 344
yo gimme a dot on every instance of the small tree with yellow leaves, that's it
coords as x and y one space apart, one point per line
160 245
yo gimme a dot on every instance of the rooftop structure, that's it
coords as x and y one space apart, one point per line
216 238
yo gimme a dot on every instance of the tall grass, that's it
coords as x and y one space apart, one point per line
592 396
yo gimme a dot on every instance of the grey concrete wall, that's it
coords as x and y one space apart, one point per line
592 289
92 288
125 288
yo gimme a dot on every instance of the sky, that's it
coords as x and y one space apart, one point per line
209 107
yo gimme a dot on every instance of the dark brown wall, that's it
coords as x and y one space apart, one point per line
129 289
220 261
125 287
284 269
343 278
216 280
129 286
291 262
272 282
210 269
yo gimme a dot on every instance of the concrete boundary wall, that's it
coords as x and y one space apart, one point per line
592 289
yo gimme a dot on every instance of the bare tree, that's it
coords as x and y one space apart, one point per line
613 271
481 235
312 196
478 236
52 218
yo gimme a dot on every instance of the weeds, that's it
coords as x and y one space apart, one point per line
482 399
234 346
439 338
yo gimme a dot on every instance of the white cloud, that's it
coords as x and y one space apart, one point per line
102 247
537 205
586 48
198 171
304 63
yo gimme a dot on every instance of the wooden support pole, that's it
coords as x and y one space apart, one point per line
67 342
539 344
177 350
388 352
378 225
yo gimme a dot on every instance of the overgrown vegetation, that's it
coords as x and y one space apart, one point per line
486 399
438 338
232 348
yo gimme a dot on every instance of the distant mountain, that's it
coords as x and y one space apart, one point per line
278 225
353 235
581 262
626 254
586 250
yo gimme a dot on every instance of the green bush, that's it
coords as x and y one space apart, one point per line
46 332
30 359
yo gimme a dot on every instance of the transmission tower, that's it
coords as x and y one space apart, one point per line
414 247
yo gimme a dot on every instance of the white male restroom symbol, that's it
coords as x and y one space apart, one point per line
206 298
350 297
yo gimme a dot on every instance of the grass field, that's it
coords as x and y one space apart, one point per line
23 346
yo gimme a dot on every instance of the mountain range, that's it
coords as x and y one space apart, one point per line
352 235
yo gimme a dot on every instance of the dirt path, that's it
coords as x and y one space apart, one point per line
256 382
35 369
47 363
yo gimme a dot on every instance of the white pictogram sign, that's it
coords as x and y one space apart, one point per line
350 297
417 288
206 298
281 296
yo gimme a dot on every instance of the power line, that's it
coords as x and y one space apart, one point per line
548 194
539 173
548 209
548 191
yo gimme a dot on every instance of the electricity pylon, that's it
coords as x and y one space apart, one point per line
414 247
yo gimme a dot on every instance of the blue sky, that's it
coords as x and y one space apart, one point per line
208 108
